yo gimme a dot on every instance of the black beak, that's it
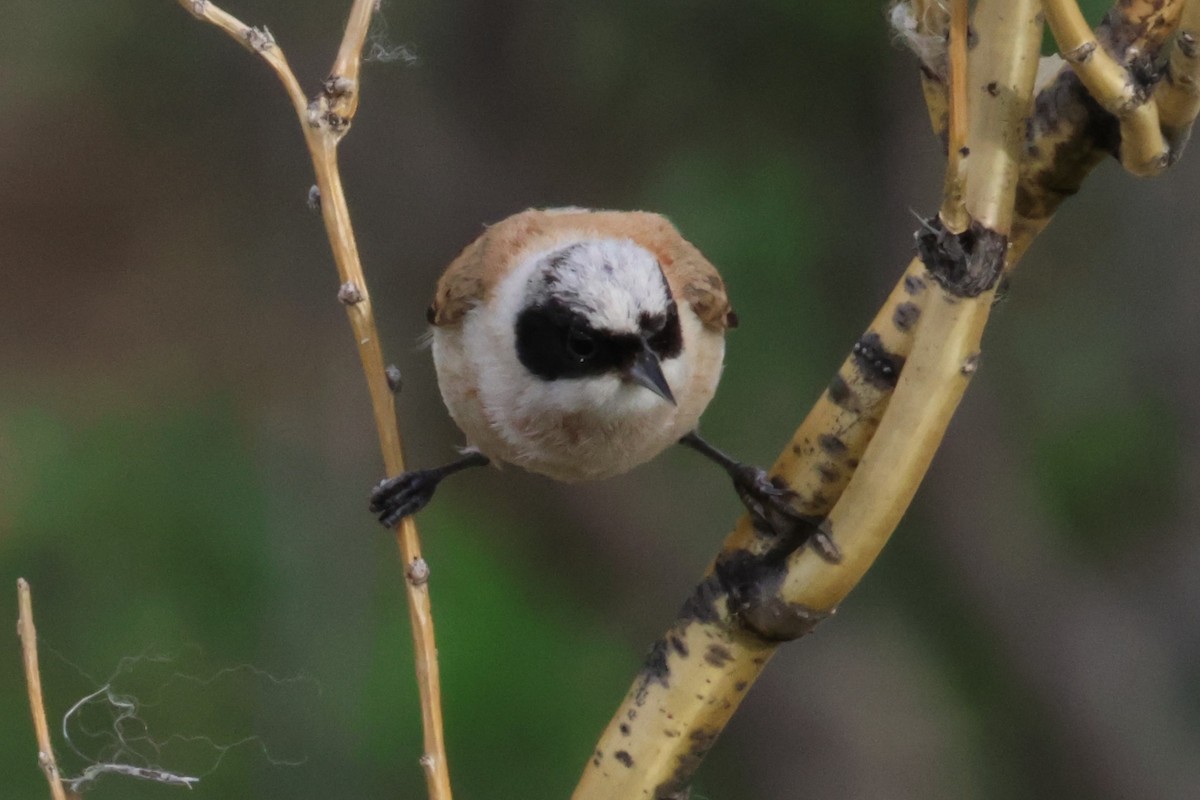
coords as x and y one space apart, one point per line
647 372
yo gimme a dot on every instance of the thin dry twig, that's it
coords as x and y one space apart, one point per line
953 213
923 26
33 682
324 121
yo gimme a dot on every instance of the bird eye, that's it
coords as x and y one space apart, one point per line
580 344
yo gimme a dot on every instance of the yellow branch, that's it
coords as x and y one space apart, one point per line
1143 149
1178 95
33 683
760 590
324 121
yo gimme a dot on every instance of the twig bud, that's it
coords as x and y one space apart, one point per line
418 572
259 39
394 380
313 114
338 86
349 294
314 198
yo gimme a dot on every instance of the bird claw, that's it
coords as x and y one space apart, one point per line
769 502
393 499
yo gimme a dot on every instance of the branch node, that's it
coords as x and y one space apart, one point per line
349 294
1186 42
336 122
822 542
197 8
258 39
339 86
965 264
970 364
313 114
418 575
1081 54
395 380
314 198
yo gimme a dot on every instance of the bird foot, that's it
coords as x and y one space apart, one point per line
769 501
393 499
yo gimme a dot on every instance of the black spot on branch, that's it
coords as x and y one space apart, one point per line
1077 133
655 669
914 284
831 444
702 604
841 395
624 757
905 316
965 264
880 368
717 655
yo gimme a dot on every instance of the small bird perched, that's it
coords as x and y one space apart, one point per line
579 344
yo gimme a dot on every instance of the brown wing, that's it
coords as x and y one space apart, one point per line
473 276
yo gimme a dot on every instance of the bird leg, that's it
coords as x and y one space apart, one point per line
407 493
769 501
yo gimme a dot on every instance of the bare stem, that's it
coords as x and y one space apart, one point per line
33 682
324 121
953 213
349 58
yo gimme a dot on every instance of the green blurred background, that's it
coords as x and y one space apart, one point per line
186 444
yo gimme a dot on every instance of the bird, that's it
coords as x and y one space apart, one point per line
579 344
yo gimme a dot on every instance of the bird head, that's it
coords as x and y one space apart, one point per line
598 309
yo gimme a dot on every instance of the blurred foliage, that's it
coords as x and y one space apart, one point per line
185 443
